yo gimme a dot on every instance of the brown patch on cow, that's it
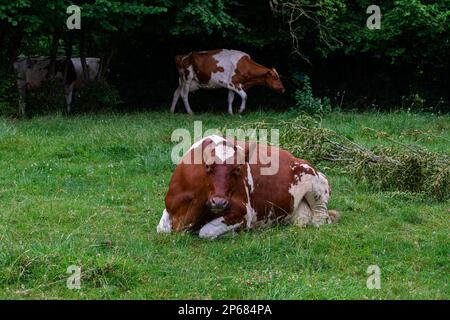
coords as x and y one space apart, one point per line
206 65
202 62
303 167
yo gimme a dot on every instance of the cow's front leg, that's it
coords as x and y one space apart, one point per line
233 220
185 97
230 101
176 97
165 223
216 228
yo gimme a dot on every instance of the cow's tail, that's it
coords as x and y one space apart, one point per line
334 215
179 60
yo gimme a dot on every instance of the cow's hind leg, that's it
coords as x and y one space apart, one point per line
176 97
185 97
302 215
318 202
243 96
230 101
69 97
22 99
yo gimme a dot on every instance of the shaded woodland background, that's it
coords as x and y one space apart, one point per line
403 65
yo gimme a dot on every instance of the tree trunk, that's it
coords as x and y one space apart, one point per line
68 51
83 57
53 53
104 66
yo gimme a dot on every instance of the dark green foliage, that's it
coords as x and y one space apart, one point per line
97 96
328 40
9 96
48 97
307 102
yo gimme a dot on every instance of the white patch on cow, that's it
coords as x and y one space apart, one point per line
325 187
305 166
300 187
223 152
165 224
216 228
228 60
250 178
250 215
216 139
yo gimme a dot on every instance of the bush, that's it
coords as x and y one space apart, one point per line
305 100
398 167
48 97
9 96
96 96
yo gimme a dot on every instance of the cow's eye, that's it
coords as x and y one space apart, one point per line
208 168
237 170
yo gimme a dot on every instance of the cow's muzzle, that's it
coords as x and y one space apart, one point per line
217 204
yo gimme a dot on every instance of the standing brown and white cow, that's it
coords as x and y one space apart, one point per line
230 69
227 191
32 71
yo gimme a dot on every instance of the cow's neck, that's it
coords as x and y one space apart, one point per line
256 75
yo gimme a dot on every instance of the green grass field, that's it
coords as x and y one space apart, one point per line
89 191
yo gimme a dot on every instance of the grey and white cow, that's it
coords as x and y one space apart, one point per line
32 71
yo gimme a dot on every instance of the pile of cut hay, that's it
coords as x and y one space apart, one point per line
399 167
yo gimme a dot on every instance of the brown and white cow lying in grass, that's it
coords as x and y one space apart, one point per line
227 191
230 69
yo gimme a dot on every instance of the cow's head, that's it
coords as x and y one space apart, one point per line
273 81
223 175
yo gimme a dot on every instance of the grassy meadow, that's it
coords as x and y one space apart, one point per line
89 191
